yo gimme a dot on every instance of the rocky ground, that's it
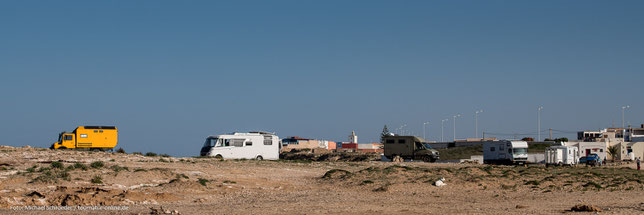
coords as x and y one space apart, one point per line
154 184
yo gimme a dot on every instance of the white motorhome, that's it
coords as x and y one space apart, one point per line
251 145
505 152
561 155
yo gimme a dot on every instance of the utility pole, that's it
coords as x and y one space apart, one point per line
454 122
550 133
476 122
442 129
539 122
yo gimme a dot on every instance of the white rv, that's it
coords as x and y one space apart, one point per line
561 155
505 152
251 145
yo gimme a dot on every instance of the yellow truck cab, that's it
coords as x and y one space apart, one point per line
95 138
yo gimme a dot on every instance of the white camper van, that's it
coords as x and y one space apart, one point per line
505 152
561 155
251 145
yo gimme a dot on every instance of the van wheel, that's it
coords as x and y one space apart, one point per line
96 150
219 157
62 147
259 158
427 159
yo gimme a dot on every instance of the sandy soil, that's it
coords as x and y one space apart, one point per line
208 186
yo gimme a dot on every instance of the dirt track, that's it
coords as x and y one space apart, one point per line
288 187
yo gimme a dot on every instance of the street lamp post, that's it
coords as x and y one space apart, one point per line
476 122
539 122
424 123
442 129
624 108
454 122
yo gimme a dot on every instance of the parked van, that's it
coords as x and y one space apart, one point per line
251 145
561 155
409 147
505 152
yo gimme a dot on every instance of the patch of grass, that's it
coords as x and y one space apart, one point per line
112 160
140 170
182 176
43 169
32 169
151 154
120 150
383 188
97 164
81 166
229 182
165 155
117 168
163 160
202 181
593 184
97 179
336 173
137 153
52 176
56 165
366 182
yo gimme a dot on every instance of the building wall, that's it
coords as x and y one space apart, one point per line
598 148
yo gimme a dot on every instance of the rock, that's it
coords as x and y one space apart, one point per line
585 208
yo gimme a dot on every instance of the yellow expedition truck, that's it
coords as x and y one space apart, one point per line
94 138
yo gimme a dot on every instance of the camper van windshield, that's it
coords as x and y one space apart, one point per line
211 142
427 146
520 151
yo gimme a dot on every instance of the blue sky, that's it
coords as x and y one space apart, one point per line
170 73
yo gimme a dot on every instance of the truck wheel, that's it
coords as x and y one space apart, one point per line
219 157
96 150
427 158
62 147
259 158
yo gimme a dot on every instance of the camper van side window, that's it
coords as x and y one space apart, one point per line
491 149
249 143
238 142
268 140
390 141
401 141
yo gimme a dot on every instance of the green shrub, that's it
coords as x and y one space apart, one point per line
120 150
203 181
97 164
80 166
150 154
137 153
97 180
165 155
117 168
229 182
32 169
57 165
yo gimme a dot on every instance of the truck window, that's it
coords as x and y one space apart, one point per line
491 149
509 150
390 141
268 140
249 143
418 145
401 141
226 142
69 137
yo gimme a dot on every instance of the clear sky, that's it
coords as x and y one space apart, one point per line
170 73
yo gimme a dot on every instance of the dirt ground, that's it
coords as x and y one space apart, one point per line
140 185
